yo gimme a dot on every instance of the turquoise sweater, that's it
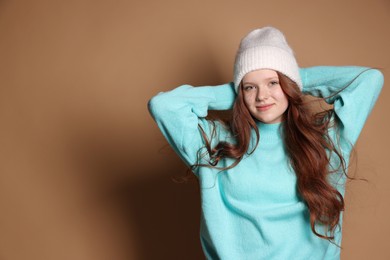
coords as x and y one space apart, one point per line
253 211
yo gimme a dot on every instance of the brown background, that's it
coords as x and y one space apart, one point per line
85 173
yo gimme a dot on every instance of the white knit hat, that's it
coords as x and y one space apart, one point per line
265 48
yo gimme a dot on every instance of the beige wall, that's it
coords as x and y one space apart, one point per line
85 173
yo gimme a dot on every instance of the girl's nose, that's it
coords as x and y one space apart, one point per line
262 94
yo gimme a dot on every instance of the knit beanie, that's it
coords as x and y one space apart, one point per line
265 48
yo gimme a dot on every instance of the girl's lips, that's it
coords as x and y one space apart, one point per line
264 108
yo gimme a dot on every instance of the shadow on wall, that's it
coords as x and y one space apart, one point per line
160 217
131 175
166 216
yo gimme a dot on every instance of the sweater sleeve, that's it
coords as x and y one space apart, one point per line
179 111
352 90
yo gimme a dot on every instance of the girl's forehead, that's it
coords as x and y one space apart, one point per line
258 75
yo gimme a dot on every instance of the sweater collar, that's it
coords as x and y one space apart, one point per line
270 132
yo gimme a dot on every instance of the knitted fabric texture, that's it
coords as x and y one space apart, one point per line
265 48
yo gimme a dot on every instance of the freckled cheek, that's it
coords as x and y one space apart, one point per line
281 97
249 99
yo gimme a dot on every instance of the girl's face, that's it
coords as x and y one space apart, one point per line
263 96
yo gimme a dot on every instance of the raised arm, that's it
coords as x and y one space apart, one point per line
352 90
179 111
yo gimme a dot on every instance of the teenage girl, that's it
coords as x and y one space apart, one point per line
273 179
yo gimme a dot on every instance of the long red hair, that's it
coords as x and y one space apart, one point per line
307 144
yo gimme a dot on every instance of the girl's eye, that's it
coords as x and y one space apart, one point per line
246 88
274 82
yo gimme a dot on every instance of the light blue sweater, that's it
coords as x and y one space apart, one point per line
253 211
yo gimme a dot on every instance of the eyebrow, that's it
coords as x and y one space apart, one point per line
264 79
